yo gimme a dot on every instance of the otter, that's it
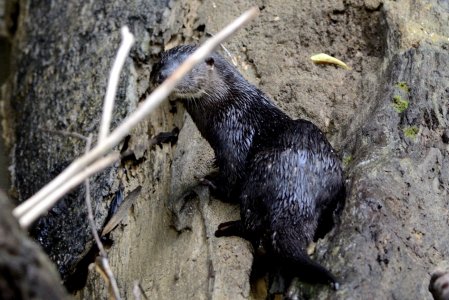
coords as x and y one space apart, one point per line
283 172
439 285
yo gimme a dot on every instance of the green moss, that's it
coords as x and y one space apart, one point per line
403 86
399 103
347 159
411 132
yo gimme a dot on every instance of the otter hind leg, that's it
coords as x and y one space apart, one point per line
330 215
295 261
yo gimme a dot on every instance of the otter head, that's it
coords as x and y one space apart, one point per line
202 80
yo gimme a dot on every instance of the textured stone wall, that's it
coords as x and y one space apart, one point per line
392 232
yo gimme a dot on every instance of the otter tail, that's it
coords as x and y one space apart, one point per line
312 272
295 262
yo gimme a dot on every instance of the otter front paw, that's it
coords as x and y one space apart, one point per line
231 228
218 187
335 286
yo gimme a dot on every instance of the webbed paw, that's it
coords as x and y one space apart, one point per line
231 228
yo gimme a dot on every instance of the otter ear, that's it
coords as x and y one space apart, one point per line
210 63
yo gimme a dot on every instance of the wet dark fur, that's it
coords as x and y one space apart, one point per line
283 172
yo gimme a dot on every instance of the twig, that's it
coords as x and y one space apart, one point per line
138 291
108 105
114 76
112 283
90 213
103 268
92 220
65 133
42 206
33 207
232 57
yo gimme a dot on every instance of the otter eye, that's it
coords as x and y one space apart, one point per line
210 61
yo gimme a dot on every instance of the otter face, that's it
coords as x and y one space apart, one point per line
195 83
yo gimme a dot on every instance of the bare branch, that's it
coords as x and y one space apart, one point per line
138 291
32 208
43 205
65 133
111 282
92 220
90 213
113 288
114 76
103 268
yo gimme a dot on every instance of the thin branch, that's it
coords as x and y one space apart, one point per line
104 257
32 208
113 282
90 213
42 206
65 133
138 291
114 291
114 76
108 105
103 268
92 220
232 57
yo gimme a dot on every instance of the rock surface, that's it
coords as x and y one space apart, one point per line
61 69
26 272
387 117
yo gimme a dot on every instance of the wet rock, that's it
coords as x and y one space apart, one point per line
387 117
58 85
373 4
26 272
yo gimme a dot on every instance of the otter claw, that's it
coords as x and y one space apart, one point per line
207 182
230 228
335 286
